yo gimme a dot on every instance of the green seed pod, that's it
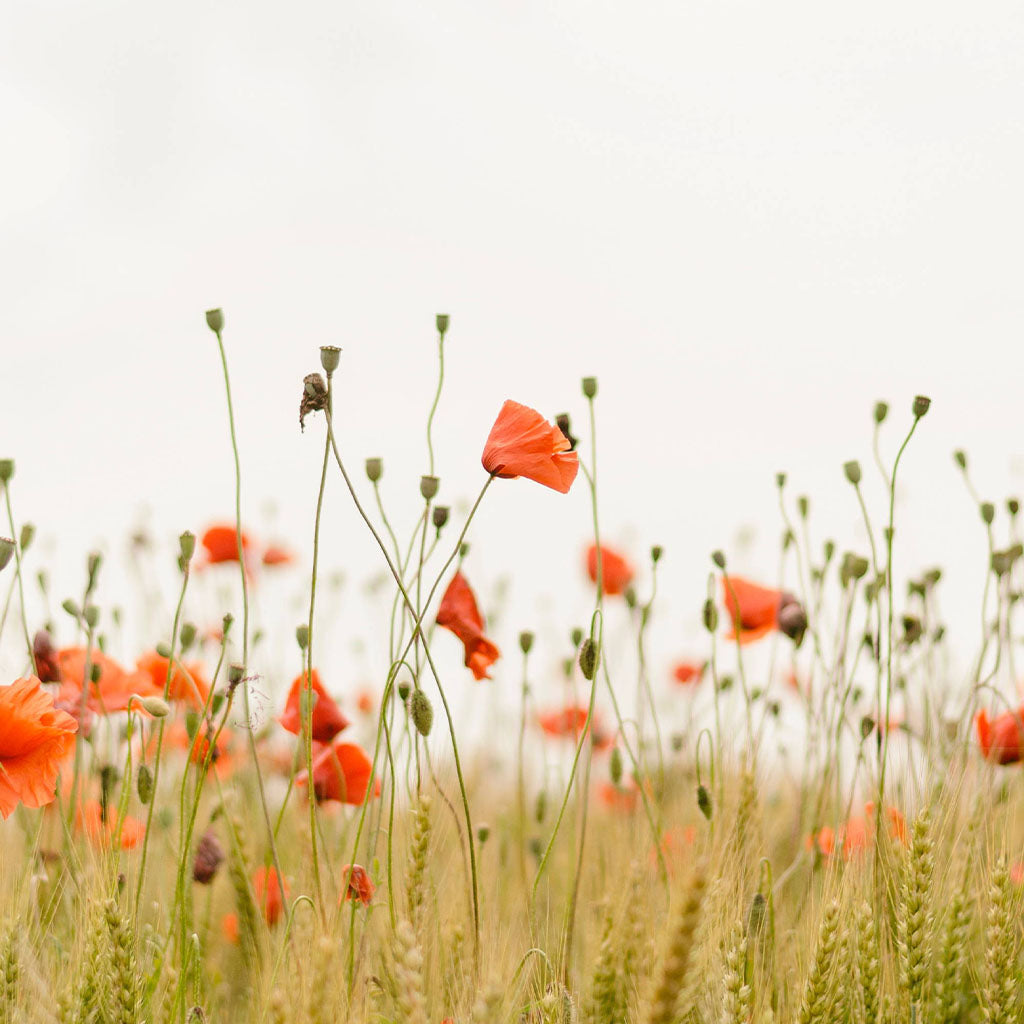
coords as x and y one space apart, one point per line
988 512
6 551
852 471
187 545
1012 506
589 655
404 689
960 458
803 506
439 516
225 624
525 641
656 553
718 557
330 356
429 486
374 469
144 783
483 833
442 320
235 674
215 320
921 406
615 765
710 616
881 411
589 387
780 480
6 470
576 637
704 801
421 711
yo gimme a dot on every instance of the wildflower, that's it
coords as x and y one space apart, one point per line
328 718
111 692
1017 873
523 443
1001 738
99 823
857 833
616 570
364 701
197 745
35 737
358 884
268 893
458 612
675 841
221 544
187 684
571 721
755 611
277 554
340 772
686 672
229 928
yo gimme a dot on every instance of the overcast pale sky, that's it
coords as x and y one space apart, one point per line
749 221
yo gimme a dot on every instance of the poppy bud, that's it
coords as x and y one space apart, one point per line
188 635
852 471
540 807
590 387
718 557
615 765
629 597
215 320
780 480
988 512
235 674
867 726
225 623
92 615
710 616
302 636
921 406
404 689
28 531
881 411
793 620
830 550
330 356
525 641
960 458
156 706
676 741
803 505
374 469
756 914
1001 562
429 486
439 516
656 553
483 833
6 470
209 856
163 649
911 629
72 609
442 320
6 551
421 711
1012 506
563 424
588 658
144 783
704 801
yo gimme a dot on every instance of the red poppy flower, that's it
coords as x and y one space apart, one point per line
458 612
188 683
229 928
674 843
755 611
328 718
618 798
221 544
103 830
277 554
358 884
114 689
571 721
523 443
364 701
268 893
858 833
1001 738
616 569
34 739
176 737
687 672
340 772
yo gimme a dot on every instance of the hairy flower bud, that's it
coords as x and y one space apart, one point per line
704 801
588 658
421 711
144 783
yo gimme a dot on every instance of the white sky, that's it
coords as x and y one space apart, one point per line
748 220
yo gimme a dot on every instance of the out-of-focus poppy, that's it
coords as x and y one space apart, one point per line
358 884
197 746
35 737
102 831
221 544
229 927
523 443
857 833
618 798
341 771
45 655
268 893
1017 872
328 718
570 721
616 569
277 554
754 611
364 701
686 672
188 682
1001 738
675 841
114 689
458 612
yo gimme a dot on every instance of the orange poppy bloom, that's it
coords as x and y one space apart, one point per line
1017 872
458 612
674 842
364 701
687 672
358 884
268 893
755 611
328 719
1001 738
114 689
340 772
188 682
523 443
616 569
858 833
277 554
571 721
221 544
618 798
34 739
102 831
229 928
176 737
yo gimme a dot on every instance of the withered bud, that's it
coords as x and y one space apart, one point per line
187 545
615 765
589 387
374 469
562 422
921 406
830 550
912 629
704 801
421 711
442 320
428 487
330 356
1012 506
439 516
225 623
718 557
588 658
6 551
314 397
525 641
209 856
235 674
45 656
464 549
215 320
852 471
1001 562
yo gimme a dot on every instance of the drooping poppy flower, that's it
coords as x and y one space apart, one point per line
102 829
35 738
523 443
686 672
341 771
114 689
754 611
277 554
1001 738
328 718
616 570
268 893
570 721
358 884
221 544
188 682
458 612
